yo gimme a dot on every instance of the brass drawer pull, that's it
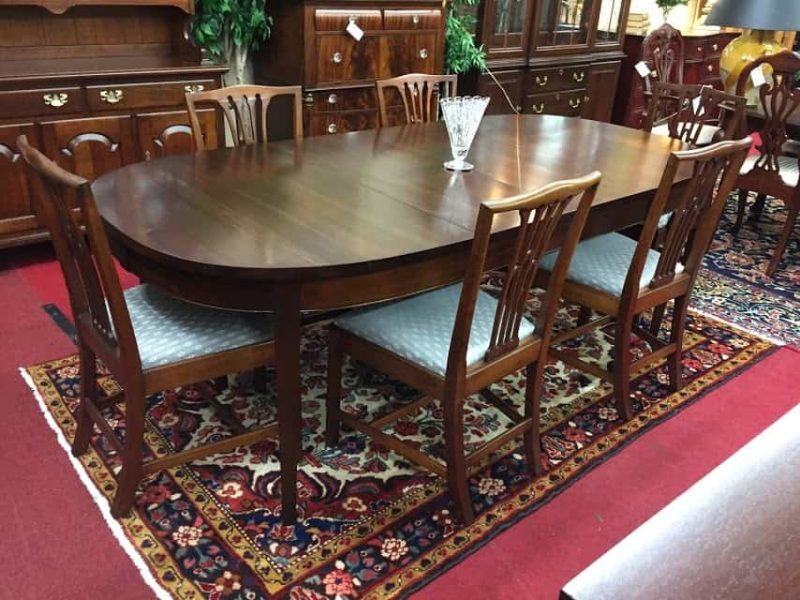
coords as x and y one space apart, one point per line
578 77
332 99
55 100
700 49
541 81
575 102
538 108
710 68
111 96
193 88
715 47
332 128
423 53
415 19
336 58
308 100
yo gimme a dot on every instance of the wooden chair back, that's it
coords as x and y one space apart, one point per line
539 214
95 293
686 109
779 98
695 214
420 94
663 50
244 109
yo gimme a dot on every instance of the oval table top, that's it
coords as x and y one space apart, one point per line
360 202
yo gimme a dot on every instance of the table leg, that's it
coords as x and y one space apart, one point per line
287 366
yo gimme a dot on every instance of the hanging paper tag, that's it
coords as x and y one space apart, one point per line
642 69
696 105
355 31
757 76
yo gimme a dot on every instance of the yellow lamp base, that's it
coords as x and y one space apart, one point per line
741 52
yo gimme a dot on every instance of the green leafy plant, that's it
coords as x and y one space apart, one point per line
461 54
218 24
666 6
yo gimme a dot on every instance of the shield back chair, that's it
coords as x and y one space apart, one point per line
419 94
772 172
694 114
663 51
148 341
621 278
244 109
455 341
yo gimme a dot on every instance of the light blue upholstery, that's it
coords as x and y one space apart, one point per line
420 328
602 263
706 137
787 167
169 330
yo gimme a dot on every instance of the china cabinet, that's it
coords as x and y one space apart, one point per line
551 56
95 86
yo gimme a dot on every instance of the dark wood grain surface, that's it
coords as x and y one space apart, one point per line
734 534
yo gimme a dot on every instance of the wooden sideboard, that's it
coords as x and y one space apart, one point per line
309 46
551 58
96 87
702 52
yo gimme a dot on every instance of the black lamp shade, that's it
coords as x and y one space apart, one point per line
775 15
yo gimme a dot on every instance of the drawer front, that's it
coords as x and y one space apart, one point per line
695 49
412 19
557 79
341 59
332 123
338 20
568 104
714 47
411 53
41 102
13 174
340 99
710 70
124 96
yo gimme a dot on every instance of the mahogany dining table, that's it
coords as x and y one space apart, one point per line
339 221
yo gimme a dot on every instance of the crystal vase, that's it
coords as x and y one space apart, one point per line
462 115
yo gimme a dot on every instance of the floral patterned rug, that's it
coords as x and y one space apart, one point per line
371 524
733 285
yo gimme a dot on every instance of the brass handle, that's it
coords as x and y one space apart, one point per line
423 53
308 100
332 99
579 76
710 68
538 108
193 88
111 96
700 49
575 102
55 100
332 128
336 58
415 19
147 155
541 81
519 108
352 19
715 47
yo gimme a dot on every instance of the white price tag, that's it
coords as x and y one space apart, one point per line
757 76
642 69
696 105
355 31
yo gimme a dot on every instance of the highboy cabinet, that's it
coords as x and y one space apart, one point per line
96 87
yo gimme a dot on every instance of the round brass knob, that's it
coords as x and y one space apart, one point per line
332 128
423 53
336 58
332 99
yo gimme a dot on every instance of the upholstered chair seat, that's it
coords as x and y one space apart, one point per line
787 166
603 262
419 329
169 330
705 137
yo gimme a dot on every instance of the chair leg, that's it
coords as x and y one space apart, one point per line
657 319
534 387
740 212
333 420
584 315
131 473
758 207
780 248
456 462
88 375
260 380
221 383
675 361
622 368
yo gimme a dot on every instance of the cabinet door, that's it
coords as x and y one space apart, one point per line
90 147
340 58
410 53
563 23
512 82
609 22
602 78
168 133
16 211
506 24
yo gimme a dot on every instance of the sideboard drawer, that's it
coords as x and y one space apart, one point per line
143 95
340 99
408 53
557 79
331 123
568 104
340 58
338 20
42 102
412 19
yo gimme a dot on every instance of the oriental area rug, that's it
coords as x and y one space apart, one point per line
371 524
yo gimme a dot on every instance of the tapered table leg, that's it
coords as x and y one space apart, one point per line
287 366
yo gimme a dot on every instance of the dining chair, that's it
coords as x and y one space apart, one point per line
694 114
663 51
148 340
621 278
420 94
244 108
455 341
772 172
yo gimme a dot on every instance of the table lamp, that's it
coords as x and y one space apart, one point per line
760 19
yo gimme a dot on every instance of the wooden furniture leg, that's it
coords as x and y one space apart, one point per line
456 461
333 419
132 472
675 360
740 212
791 217
622 366
758 207
88 377
534 387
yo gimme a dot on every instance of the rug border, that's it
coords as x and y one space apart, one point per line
115 528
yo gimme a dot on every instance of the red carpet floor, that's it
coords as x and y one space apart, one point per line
55 544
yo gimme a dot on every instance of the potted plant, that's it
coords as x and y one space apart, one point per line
228 29
666 6
461 54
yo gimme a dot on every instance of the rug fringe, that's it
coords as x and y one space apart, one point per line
99 500
756 334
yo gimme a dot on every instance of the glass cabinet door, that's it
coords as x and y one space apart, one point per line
564 22
508 26
608 24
